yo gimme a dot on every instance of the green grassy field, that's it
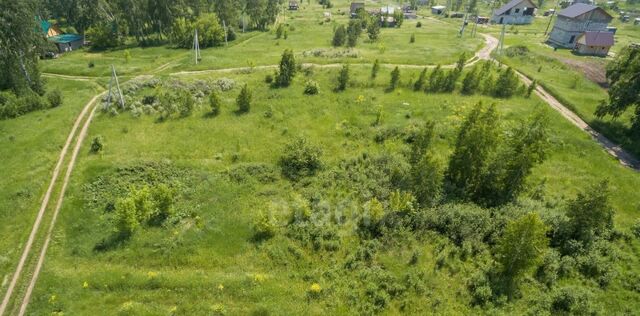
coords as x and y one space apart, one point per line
225 169
308 36
180 269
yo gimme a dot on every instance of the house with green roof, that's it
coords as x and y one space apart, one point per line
65 42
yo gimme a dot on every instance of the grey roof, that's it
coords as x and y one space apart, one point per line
579 9
510 5
598 38
356 5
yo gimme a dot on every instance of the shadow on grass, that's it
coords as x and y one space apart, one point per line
617 132
210 115
114 241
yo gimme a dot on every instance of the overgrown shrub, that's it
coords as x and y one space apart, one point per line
215 103
311 88
55 98
573 301
300 159
244 100
547 272
96 145
264 226
343 78
517 50
635 228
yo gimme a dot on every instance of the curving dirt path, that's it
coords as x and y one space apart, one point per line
612 148
615 150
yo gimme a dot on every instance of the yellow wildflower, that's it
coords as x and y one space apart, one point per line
85 285
152 274
315 288
259 278
220 287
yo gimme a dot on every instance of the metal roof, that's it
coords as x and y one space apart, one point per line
598 38
65 38
579 9
510 5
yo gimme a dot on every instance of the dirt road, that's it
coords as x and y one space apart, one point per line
43 206
612 148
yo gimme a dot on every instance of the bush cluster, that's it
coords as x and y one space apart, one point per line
12 105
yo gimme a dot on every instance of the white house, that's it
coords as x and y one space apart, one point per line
515 12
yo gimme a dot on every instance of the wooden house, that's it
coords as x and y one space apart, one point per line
515 12
575 20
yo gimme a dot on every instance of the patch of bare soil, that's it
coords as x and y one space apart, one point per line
594 70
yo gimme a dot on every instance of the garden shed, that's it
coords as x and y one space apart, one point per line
438 10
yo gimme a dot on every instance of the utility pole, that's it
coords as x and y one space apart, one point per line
196 46
504 27
464 24
224 26
114 78
551 18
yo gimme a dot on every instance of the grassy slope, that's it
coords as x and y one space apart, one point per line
221 253
568 84
29 148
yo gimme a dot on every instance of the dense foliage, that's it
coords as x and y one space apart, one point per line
623 77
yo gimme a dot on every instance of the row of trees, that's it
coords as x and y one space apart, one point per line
150 21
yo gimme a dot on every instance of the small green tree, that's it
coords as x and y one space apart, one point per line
477 139
244 100
436 80
590 213
300 159
287 69
279 31
413 38
395 79
373 29
353 32
375 69
505 176
264 226
163 199
126 221
531 88
461 62
97 144
622 74
470 82
425 173
343 78
507 84
419 84
521 247
55 98
215 103
339 36
186 102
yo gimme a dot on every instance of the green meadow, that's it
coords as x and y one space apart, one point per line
231 241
